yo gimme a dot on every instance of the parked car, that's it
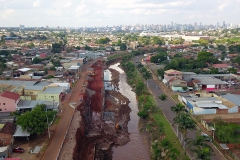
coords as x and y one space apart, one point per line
18 150
207 138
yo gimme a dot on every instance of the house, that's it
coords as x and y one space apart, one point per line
187 76
50 94
171 74
177 84
32 91
221 66
8 101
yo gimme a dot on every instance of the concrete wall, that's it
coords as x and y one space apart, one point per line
7 105
176 89
48 97
233 110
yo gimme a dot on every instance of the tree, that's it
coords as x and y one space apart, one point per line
147 75
139 65
139 88
163 97
184 88
185 123
199 146
36 60
158 58
57 47
35 121
179 108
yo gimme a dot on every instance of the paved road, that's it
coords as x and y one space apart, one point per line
166 108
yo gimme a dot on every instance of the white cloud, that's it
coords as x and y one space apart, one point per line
36 3
106 12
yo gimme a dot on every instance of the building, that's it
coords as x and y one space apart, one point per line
31 92
171 74
202 103
50 94
177 84
29 105
8 101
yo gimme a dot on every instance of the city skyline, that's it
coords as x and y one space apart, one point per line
73 13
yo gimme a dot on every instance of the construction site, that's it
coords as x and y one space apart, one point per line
104 116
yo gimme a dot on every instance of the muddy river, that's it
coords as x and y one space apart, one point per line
135 149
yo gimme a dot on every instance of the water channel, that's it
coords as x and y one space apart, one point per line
135 149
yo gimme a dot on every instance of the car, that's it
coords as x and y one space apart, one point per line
156 87
207 138
18 150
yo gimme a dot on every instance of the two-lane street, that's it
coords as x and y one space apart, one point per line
166 108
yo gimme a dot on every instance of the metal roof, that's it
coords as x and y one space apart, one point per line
37 88
209 80
211 105
234 98
18 83
28 104
53 90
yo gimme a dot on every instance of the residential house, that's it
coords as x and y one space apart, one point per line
50 94
8 101
177 84
221 67
31 92
171 74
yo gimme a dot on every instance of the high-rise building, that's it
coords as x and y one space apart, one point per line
223 24
21 26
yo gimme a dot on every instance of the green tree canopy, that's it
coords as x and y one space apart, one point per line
35 121
36 60
158 58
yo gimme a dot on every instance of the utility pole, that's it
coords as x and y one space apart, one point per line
48 127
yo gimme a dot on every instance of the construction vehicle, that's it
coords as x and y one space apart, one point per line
119 126
90 73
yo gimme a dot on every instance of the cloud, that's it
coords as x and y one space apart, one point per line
36 3
107 12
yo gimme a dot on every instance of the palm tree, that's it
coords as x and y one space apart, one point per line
200 147
185 123
179 108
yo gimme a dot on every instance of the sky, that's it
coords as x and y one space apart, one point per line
90 13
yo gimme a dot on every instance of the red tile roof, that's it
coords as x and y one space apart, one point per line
9 128
220 65
10 95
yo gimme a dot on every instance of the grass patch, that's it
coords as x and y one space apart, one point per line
170 134
57 119
175 98
44 148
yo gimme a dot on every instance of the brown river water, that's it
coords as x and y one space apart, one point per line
135 149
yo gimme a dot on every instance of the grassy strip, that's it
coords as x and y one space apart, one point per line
57 120
171 136
154 121
175 98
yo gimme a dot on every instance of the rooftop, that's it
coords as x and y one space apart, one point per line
36 88
10 95
28 104
53 90
18 83
172 71
8 128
